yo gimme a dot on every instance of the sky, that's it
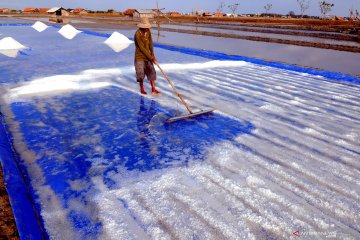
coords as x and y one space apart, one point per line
340 8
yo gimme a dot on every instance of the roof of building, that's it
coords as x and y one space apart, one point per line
30 9
54 9
208 13
77 10
145 11
44 9
129 11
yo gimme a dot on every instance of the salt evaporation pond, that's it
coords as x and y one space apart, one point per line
325 59
93 159
266 35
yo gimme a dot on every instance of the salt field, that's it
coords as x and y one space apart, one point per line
267 35
91 158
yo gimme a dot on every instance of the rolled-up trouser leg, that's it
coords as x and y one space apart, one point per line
150 71
140 70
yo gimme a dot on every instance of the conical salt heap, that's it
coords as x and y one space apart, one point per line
118 42
69 31
39 26
10 47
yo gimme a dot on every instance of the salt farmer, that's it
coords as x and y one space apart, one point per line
144 56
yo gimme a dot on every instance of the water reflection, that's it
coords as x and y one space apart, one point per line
265 35
58 20
147 141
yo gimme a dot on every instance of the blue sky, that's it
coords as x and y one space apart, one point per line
255 6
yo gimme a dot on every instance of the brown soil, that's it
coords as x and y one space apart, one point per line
8 228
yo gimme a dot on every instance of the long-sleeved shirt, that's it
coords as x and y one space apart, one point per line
144 46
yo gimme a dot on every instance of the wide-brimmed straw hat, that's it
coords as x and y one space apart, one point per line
144 23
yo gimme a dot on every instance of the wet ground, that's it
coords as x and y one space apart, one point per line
256 33
325 59
305 56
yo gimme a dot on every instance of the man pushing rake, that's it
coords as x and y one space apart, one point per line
144 56
144 65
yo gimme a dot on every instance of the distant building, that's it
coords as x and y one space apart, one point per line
327 17
148 13
113 11
5 10
58 11
338 18
80 11
174 14
43 10
218 14
31 10
129 12
199 12
234 15
208 14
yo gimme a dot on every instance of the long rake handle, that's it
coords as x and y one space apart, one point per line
174 88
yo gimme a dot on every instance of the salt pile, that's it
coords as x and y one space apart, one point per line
118 38
10 47
118 42
39 26
68 31
9 43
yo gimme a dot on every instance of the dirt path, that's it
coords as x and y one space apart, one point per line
8 228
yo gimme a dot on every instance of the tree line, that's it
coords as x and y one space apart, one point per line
304 5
